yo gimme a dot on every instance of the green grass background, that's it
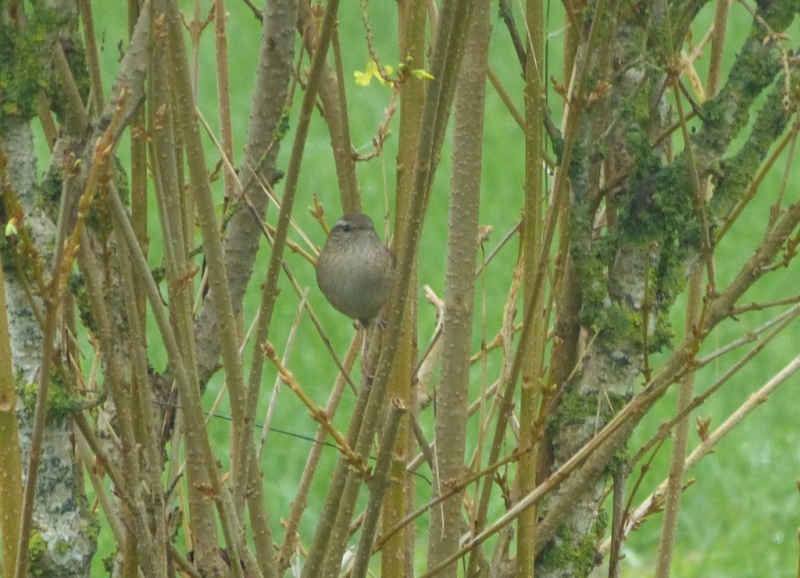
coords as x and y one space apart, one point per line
740 517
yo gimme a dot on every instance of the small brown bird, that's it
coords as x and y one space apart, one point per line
354 269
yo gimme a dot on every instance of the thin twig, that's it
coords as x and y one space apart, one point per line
317 413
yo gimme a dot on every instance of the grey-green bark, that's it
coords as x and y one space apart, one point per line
631 277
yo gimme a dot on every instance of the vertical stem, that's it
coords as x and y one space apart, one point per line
223 91
452 398
85 8
144 412
717 47
572 36
378 487
334 100
139 181
167 185
677 468
206 218
52 299
11 473
672 501
532 239
412 93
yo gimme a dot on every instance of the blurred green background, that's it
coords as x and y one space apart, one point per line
740 517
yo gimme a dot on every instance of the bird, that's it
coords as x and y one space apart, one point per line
355 269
